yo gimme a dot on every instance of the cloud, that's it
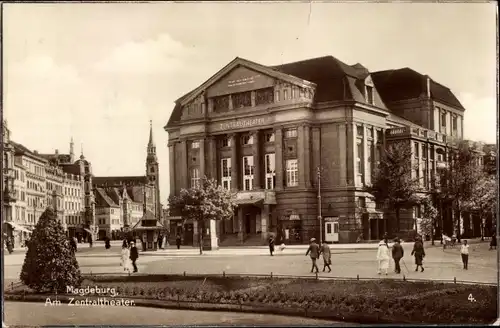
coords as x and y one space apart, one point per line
480 118
154 56
38 69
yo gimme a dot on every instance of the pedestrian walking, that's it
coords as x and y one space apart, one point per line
464 251
160 241
383 256
419 253
178 241
397 254
72 244
493 242
134 255
313 252
327 256
107 243
271 245
125 257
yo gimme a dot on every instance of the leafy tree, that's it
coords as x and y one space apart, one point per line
483 199
392 183
459 178
50 263
428 222
207 201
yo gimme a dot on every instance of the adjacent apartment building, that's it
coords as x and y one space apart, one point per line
269 133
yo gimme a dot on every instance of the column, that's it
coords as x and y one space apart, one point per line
257 159
350 142
307 156
202 157
212 156
235 162
240 225
171 160
253 98
278 150
264 216
316 152
184 171
366 154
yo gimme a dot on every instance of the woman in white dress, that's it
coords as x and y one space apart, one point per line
125 257
383 257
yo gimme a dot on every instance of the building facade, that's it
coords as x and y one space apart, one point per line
127 196
269 133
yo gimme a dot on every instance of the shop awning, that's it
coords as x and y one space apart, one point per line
249 201
19 227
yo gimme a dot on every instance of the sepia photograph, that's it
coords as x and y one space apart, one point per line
249 163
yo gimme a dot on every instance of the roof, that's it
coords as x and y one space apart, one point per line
61 158
334 79
147 216
406 83
120 181
103 200
23 150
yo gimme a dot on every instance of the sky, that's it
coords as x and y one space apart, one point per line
99 72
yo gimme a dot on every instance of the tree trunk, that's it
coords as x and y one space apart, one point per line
200 235
482 225
432 230
457 211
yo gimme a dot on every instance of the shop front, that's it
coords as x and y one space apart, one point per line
17 234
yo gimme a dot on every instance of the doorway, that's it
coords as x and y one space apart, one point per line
331 232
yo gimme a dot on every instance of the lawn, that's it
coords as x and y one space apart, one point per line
374 301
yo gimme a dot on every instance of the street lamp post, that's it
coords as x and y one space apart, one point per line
319 207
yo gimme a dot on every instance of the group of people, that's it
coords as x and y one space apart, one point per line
384 255
129 256
315 250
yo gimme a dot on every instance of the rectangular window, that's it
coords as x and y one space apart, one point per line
371 153
270 171
359 158
369 131
417 174
291 133
359 130
248 140
294 93
454 124
248 170
277 96
264 96
221 104
425 150
226 173
285 94
242 99
369 95
270 137
292 173
361 202
432 153
416 150
426 175
195 177
443 121
195 145
226 142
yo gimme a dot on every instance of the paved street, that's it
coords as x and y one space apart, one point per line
37 314
438 264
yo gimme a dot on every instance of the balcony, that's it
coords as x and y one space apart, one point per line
416 132
256 196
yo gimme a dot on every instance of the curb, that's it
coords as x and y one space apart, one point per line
216 307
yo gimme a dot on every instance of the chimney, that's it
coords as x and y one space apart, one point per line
428 86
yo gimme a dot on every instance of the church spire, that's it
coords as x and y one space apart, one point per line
151 144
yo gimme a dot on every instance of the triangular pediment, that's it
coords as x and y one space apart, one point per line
242 75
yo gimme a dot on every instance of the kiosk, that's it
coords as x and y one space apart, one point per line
147 230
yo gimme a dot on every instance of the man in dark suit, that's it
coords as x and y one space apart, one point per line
134 255
397 254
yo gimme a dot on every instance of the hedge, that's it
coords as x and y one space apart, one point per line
375 301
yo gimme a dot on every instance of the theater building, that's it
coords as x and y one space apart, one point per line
269 132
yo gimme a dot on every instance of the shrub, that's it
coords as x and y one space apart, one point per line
50 263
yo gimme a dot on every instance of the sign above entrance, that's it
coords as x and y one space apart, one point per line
241 124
